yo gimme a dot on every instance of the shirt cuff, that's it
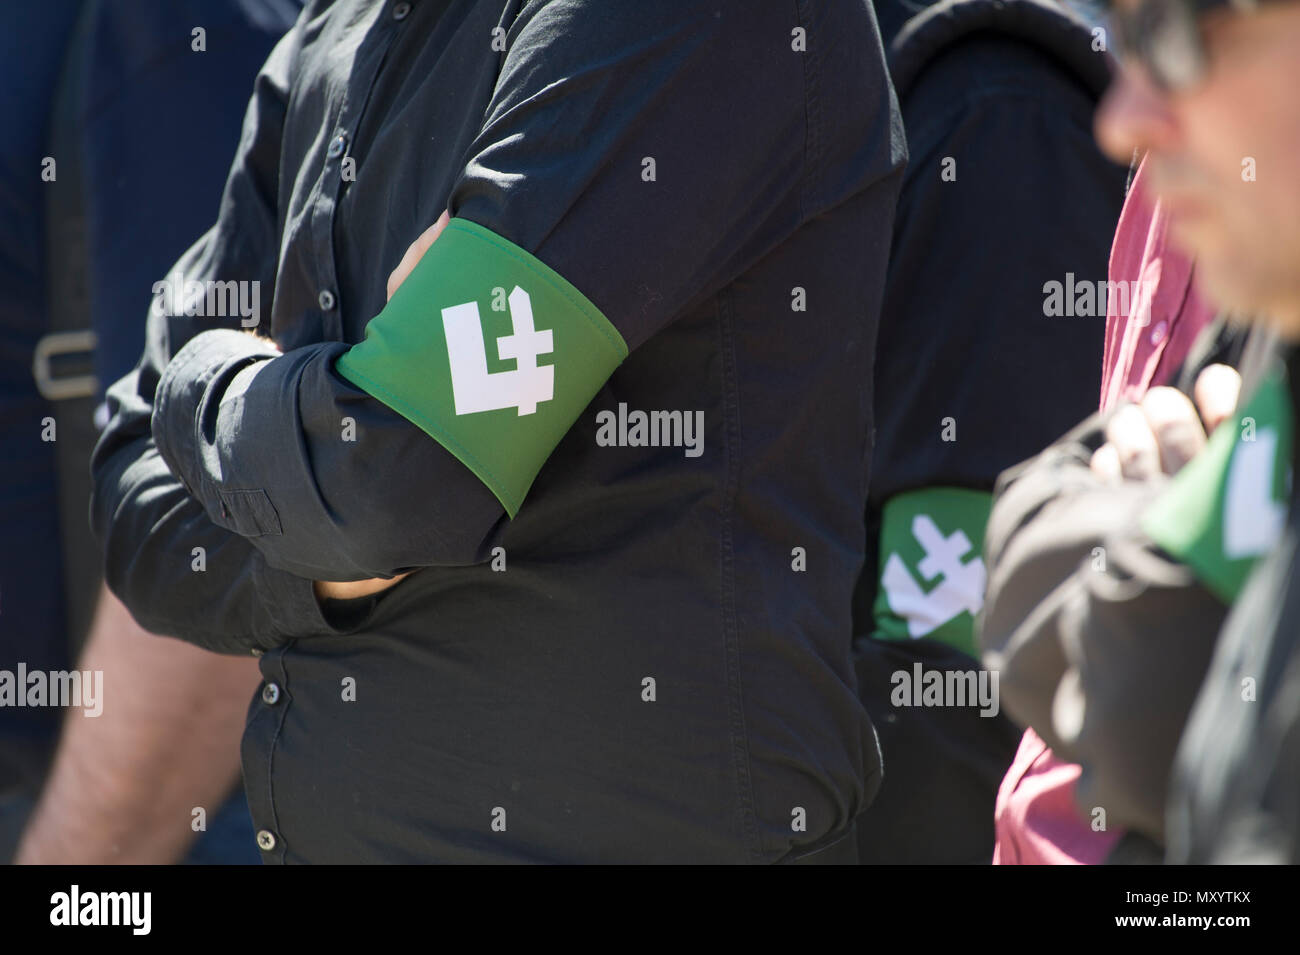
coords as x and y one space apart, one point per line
188 396
295 612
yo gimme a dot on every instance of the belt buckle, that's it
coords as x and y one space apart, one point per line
63 343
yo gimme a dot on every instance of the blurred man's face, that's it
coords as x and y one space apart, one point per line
1200 143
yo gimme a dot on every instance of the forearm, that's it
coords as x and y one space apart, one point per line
176 571
125 784
323 480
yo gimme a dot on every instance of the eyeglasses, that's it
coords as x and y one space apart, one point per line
1164 36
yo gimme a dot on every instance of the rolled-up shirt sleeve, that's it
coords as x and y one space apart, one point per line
178 571
648 158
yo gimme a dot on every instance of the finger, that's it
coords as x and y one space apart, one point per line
1217 389
415 252
1176 426
1135 445
1105 464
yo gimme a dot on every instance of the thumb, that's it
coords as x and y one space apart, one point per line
1217 389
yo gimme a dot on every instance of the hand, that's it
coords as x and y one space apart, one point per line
266 340
1163 432
350 589
416 252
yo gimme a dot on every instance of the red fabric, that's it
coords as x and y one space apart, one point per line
1036 819
1145 347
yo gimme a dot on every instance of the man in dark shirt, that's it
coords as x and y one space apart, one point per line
614 425
1004 192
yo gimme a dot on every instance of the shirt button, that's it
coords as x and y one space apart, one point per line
326 299
1158 333
266 840
337 145
270 694
400 10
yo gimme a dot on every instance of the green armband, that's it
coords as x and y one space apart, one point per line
1226 507
489 352
931 572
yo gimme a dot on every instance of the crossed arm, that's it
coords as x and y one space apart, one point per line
223 452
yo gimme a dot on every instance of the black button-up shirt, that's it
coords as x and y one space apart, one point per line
651 661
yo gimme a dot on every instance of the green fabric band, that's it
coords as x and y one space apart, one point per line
931 569
1226 507
488 351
